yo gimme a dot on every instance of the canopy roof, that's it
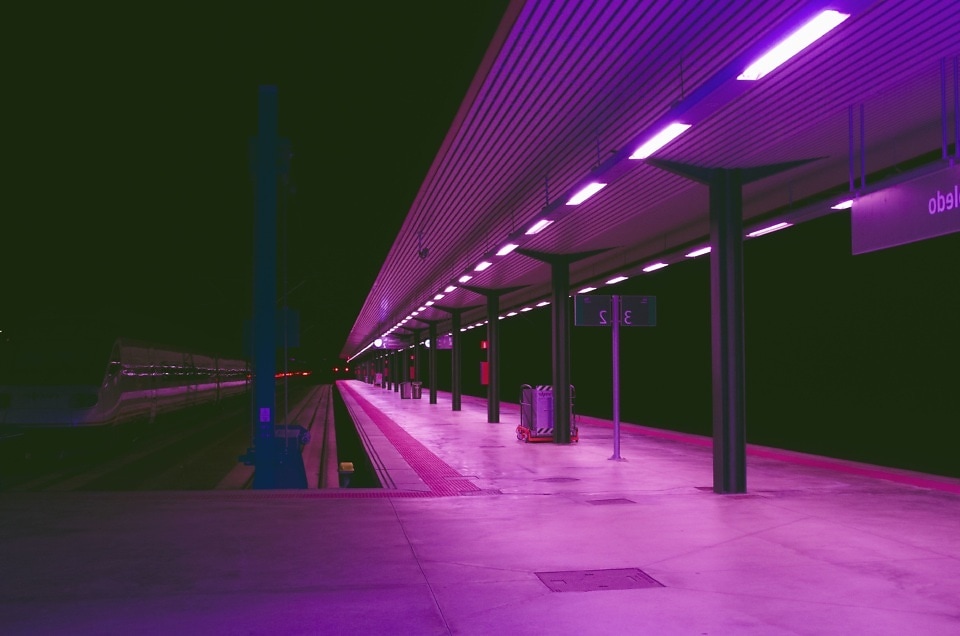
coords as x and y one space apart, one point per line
568 90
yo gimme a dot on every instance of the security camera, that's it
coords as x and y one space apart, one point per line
423 253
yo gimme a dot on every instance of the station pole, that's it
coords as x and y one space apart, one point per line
615 354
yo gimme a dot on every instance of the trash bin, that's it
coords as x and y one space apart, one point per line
416 388
404 390
536 414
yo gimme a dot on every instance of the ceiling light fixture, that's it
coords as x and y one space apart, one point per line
658 141
506 249
615 280
654 267
464 278
586 290
538 226
482 266
843 205
768 230
699 252
810 32
586 192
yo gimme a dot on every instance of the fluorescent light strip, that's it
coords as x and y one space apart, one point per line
414 313
438 297
843 205
538 226
543 303
661 139
587 290
421 308
768 230
699 252
482 266
512 313
615 280
429 303
450 288
813 30
586 192
464 278
527 309
506 249
654 267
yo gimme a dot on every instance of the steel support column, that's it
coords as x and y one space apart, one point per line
433 362
560 315
456 363
560 335
416 354
397 373
726 319
493 358
726 312
493 347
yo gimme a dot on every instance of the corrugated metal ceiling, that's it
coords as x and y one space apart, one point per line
567 84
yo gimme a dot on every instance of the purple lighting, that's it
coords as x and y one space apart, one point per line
586 290
506 249
482 266
586 192
615 280
843 205
813 30
654 267
661 139
543 303
768 230
450 288
464 278
538 226
438 297
699 252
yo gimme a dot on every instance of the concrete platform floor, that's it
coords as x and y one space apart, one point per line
476 529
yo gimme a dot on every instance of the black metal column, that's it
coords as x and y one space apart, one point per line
726 309
416 354
493 358
433 362
397 369
560 313
457 363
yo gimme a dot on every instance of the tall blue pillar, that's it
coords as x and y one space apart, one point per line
265 290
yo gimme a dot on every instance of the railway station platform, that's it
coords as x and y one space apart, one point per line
479 533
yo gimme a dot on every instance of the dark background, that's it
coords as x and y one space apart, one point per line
128 211
128 202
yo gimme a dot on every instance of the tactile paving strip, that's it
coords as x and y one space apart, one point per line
442 479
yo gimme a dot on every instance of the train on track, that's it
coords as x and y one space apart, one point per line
55 386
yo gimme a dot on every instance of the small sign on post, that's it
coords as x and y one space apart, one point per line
615 311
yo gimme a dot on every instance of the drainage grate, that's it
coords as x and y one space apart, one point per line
607 502
597 580
558 480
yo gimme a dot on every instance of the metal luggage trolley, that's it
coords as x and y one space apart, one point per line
536 414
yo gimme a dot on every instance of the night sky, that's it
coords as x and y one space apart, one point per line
128 203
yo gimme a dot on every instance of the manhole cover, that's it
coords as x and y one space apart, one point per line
608 502
558 480
597 580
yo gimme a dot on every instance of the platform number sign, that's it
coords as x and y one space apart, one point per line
638 311
597 311
592 311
